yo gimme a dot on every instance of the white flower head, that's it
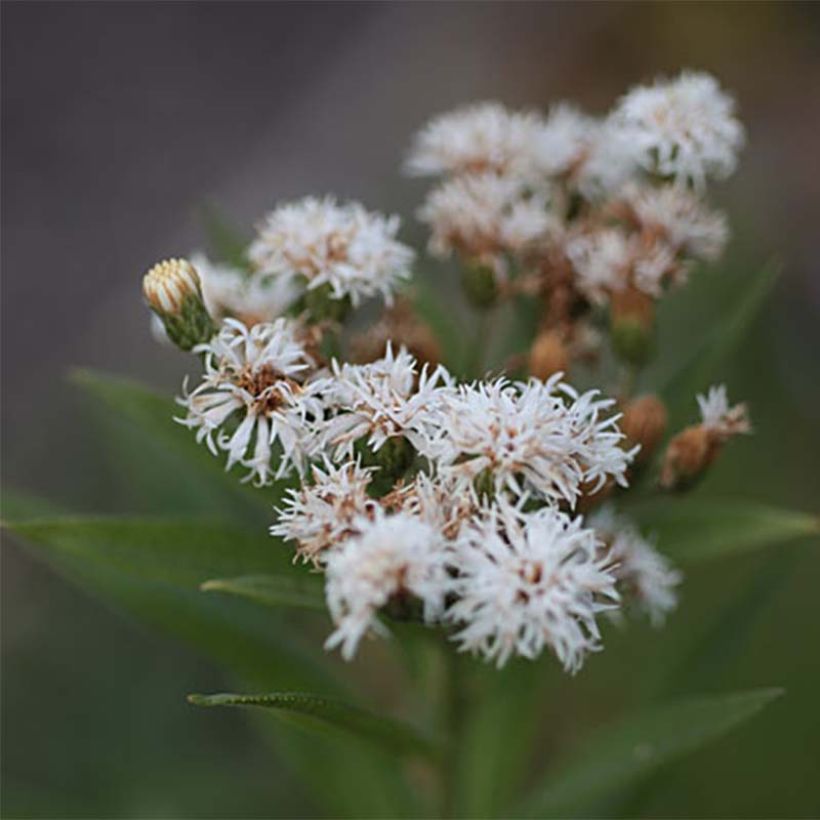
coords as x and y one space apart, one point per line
383 399
609 162
681 218
249 297
254 375
321 515
540 437
684 128
601 260
528 581
484 215
563 141
721 419
344 247
473 139
643 573
395 555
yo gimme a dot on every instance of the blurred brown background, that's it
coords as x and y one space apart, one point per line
120 120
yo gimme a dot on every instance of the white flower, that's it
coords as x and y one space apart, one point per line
344 247
562 143
527 581
254 376
609 162
475 138
601 260
683 128
721 419
394 555
655 265
319 516
642 571
536 437
380 400
483 216
250 297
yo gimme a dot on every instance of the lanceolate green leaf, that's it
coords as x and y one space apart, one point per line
322 712
158 452
693 530
705 366
272 590
619 754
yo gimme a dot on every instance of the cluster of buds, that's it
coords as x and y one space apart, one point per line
463 503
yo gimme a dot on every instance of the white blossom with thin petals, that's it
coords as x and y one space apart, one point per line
352 251
643 573
320 515
474 139
529 581
718 417
538 437
395 555
383 399
253 376
683 128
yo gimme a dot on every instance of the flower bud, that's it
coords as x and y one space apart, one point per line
173 291
548 355
632 320
322 305
688 455
479 282
644 422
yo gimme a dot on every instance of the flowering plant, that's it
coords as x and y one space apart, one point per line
478 510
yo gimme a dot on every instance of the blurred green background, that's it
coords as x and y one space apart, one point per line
121 120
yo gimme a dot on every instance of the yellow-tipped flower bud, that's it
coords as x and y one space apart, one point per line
644 422
548 355
173 291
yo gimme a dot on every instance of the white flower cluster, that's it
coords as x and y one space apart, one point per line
619 197
719 418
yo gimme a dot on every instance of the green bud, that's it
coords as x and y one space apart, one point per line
321 305
173 291
480 284
633 341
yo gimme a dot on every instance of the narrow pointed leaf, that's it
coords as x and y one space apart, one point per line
694 530
620 754
705 366
272 590
322 712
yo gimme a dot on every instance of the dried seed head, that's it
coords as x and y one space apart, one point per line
173 291
688 455
632 316
548 355
644 422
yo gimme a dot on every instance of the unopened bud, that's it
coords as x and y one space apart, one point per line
322 306
480 283
632 319
548 355
644 422
173 291
688 455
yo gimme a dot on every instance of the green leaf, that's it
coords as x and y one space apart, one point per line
316 711
226 243
272 590
159 457
153 568
725 339
17 505
629 749
694 530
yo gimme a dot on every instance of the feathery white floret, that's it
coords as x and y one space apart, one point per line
385 398
474 138
527 581
538 437
320 515
395 555
601 260
718 417
562 143
250 297
253 375
352 251
483 216
643 573
681 218
683 128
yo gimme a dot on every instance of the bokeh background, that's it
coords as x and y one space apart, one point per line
122 120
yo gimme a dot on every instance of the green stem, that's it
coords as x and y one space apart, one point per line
485 325
453 711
